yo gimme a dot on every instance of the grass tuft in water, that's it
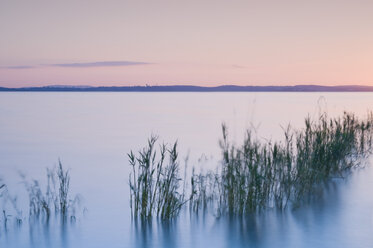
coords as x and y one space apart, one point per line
256 175
155 181
55 197
260 175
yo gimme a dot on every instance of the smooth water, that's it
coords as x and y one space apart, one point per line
92 132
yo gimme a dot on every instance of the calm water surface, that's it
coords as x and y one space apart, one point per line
92 132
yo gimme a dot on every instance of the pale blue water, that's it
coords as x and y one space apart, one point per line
92 132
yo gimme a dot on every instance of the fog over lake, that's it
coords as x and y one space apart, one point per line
92 132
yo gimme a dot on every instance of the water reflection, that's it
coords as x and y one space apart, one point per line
155 233
54 231
271 228
34 134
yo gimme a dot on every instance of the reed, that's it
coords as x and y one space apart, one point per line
155 182
2 188
63 189
2 193
256 175
329 148
55 197
203 187
261 175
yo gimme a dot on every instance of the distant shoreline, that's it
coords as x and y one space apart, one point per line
192 88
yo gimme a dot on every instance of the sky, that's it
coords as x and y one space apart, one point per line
204 42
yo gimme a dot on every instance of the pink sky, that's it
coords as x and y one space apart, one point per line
207 42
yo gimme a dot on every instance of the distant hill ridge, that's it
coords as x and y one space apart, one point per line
193 88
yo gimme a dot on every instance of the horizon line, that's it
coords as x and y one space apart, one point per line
198 88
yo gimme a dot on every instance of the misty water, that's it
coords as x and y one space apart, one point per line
91 133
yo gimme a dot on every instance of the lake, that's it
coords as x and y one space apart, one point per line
91 133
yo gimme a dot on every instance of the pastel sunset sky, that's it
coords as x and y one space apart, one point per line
204 42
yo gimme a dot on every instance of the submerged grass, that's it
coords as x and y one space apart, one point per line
256 175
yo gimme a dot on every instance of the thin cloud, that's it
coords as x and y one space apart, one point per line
18 67
80 65
101 64
239 66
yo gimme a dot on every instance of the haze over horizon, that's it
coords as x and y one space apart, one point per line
206 43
